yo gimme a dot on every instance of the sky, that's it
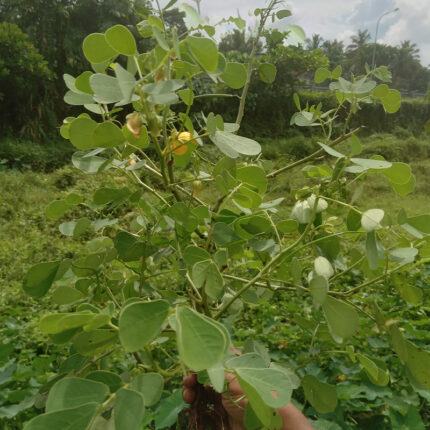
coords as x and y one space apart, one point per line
339 19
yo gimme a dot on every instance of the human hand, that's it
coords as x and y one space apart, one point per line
234 403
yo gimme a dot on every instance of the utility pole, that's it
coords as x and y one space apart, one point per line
376 34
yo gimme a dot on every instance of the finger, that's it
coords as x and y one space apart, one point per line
188 394
234 387
190 380
235 350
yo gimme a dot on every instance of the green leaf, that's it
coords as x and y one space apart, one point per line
106 89
391 101
371 219
342 319
128 246
39 278
72 392
193 254
376 375
261 386
81 131
159 37
96 49
319 289
382 73
403 255
56 209
75 228
140 322
355 145
411 294
399 343
283 13
75 99
126 83
267 72
121 40
380 91
78 418
65 295
337 72
106 195
247 198
331 151
372 250
234 75
406 420
204 50
88 164
82 82
321 75
128 410
224 234
94 342
187 96
57 323
254 176
371 164
170 407
202 342
206 274
399 173
418 364
322 396
232 145
420 222
296 35
287 226
248 360
112 380
150 385
216 375
107 135
404 189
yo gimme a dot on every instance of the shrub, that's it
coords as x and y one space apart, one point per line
25 81
39 157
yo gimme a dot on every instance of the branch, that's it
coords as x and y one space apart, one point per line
315 154
272 262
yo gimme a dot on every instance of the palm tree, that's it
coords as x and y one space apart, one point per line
358 52
315 42
410 49
360 40
334 51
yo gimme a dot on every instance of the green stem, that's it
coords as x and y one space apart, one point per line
266 268
314 155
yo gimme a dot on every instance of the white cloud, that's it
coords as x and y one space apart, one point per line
413 24
340 19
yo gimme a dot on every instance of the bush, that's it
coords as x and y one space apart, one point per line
25 81
270 114
27 155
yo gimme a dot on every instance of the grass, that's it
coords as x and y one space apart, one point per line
377 191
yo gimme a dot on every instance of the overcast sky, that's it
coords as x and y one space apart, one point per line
339 19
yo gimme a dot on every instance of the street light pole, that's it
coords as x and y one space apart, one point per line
376 34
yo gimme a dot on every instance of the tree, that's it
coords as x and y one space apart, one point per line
25 80
334 51
315 42
237 40
57 28
358 52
